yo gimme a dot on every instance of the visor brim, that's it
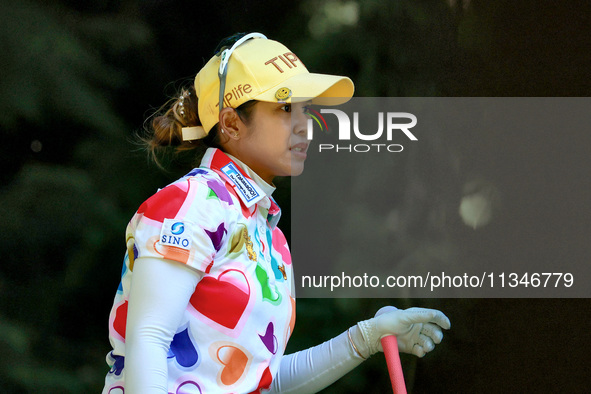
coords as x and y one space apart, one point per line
321 89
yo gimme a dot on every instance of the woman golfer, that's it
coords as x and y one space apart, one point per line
206 301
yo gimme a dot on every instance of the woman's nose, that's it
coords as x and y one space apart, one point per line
299 121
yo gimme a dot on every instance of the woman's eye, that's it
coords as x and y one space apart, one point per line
286 108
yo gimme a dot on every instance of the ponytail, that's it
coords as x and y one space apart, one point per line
164 129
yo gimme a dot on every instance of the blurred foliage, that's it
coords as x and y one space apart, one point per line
79 77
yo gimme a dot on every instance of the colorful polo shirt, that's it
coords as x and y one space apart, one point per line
221 220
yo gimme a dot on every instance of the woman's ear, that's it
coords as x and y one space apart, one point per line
230 123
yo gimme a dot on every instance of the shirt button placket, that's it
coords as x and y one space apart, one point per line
263 234
263 231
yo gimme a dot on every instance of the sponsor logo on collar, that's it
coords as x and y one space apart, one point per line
244 186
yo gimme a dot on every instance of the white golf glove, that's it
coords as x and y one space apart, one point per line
418 330
313 369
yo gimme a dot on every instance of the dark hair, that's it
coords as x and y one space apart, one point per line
228 42
164 127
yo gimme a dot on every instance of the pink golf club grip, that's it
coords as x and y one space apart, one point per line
394 367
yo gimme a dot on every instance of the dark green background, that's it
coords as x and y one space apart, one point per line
79 78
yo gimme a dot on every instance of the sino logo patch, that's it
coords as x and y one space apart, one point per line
176 233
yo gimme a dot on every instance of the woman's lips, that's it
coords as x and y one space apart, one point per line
299 149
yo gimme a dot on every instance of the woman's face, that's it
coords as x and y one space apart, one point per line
275 142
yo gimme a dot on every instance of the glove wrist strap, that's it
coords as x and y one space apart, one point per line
369 334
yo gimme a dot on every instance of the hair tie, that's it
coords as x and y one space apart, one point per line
193 133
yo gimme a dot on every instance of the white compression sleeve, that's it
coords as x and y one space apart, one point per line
313 369
158 296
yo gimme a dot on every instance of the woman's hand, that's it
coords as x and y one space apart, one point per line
418 330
